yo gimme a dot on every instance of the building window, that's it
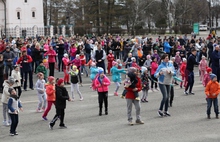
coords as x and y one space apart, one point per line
25 1
33 14
18 15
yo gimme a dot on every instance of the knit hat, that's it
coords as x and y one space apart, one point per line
208 70
212 76
65 55
74 67
133 58
132 69
148 56
100 70
143 69
10 90
184 59
173 58
50 79
60 81
11 80
114 63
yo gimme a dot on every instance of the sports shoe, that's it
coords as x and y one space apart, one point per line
81 73
81 99
50 126
157 89
146 100
45 118
152 89
130 123
191 93
142 100
5 123
167 114
11 134
15 133
216 117
160 113
208 117
38 110
186 93
115 94
43 109
122 96
63 127
139 122
137 98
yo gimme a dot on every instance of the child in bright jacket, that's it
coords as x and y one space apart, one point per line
51 97
212 91
182 72
42 69
110 59
207 77
202 67
66 61
102 82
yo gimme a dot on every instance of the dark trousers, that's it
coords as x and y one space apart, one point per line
152 81
1 83
30 79
80 76
209 105
19 90
36 65
171 95
102 65
51 68
103 96
8 70
60 62
22 76
59 115
14 123
117 54
190 82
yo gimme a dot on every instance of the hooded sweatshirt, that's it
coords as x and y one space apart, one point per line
5 94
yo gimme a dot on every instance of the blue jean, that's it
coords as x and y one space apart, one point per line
209 105
190 82
88 56
165 90
84 67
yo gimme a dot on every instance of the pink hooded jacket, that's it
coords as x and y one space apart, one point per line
206 79
102 87
203 65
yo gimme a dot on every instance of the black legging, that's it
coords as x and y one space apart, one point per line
103 96
51 68
171 95
153 82
59 115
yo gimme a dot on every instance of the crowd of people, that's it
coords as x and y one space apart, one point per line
148 64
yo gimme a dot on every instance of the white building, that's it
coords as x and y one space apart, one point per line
23 17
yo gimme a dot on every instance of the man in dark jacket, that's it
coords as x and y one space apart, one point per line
60 103
8 58
88 50
60 52
215 62
1 72
100 56
210 47
191 61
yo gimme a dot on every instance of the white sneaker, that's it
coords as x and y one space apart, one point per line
5 123
81 99
81 73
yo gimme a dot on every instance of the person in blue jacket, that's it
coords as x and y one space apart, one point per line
167 47
116 76
164 73
93 73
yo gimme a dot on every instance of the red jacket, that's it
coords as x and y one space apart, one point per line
154 67
2 46
51 92
133 64
51 56
183 68
29 59
83 59
110 58
130 93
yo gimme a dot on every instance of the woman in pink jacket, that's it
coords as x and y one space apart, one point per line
102 82
66 61
73 50
51 60
154 66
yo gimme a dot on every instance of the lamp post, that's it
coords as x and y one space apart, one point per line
5 16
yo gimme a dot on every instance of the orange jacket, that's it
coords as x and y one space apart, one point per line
50 90
212 89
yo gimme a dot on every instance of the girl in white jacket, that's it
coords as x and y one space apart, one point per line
5 96
41 92
17 77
